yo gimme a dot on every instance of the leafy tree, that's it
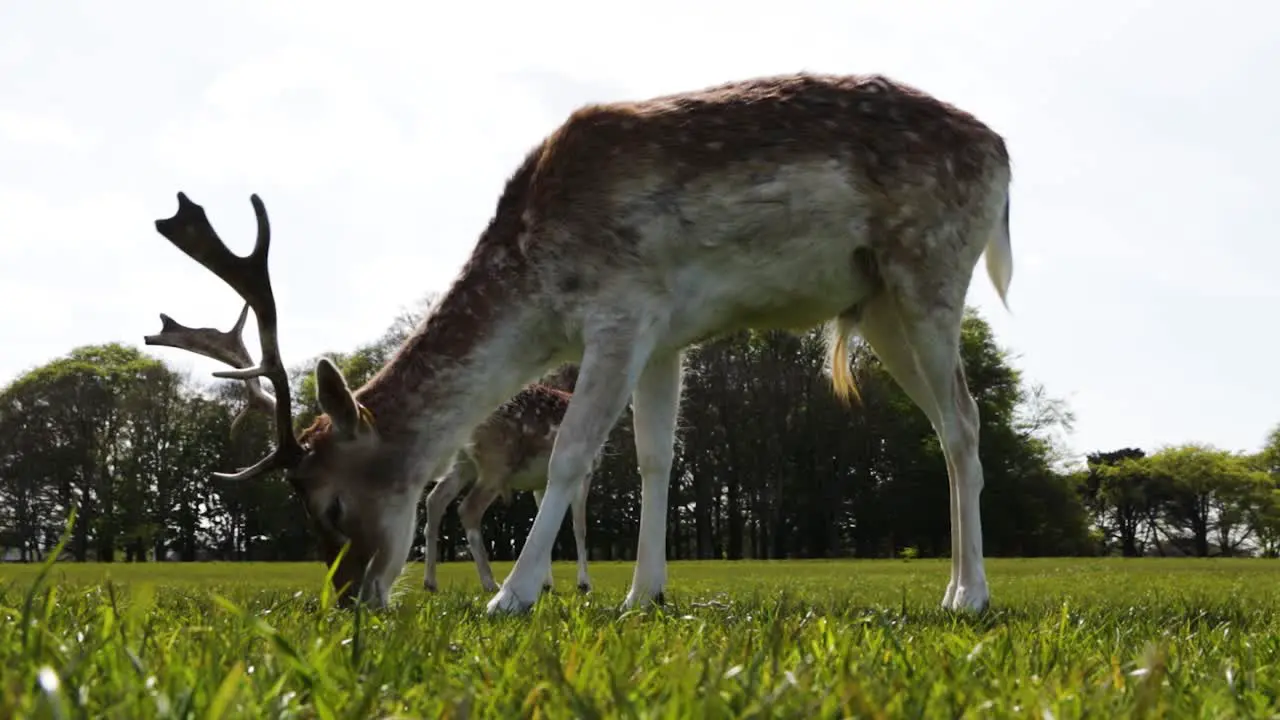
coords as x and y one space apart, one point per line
1196 499
1120 496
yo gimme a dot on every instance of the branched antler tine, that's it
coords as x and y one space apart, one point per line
189 230
273 461
248 373
238 420
225 347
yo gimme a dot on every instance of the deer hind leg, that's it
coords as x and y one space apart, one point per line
471 512
437 502
921 350
580 529
548 583
654 409
610 365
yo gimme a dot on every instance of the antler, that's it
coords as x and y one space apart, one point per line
226 347
189 230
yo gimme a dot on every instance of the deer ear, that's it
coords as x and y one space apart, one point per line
335 398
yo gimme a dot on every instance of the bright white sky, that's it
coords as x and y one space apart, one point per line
1143 136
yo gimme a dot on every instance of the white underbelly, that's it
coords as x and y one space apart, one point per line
809 281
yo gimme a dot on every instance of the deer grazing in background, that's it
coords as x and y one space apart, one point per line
508 452
633 231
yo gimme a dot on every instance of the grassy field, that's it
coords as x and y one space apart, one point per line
813 639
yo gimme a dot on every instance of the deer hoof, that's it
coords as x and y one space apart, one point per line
507 603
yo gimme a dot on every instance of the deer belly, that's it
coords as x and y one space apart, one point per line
804 282
775 256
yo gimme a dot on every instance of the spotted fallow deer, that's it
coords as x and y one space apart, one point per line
508 452
633 231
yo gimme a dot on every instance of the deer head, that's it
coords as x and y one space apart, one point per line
335 469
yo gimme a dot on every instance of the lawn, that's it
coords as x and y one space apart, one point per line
1065 638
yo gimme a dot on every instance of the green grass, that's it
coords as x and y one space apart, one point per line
813 639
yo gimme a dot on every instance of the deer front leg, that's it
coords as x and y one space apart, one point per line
580 531
471 511
608 372
654 407
437 501
549 583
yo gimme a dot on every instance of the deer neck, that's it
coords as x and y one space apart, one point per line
479 346
474 352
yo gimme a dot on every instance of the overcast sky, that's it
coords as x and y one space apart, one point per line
1143 136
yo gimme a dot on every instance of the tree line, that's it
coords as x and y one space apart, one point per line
769 464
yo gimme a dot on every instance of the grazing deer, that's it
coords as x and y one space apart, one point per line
507 452
633 231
